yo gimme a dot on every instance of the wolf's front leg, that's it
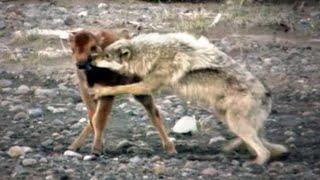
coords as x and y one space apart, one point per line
136 89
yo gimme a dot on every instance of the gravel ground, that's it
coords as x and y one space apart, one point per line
41 111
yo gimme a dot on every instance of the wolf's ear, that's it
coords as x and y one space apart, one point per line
125 53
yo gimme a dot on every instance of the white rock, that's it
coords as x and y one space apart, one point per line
23 89
185 124
89 157
136 160
83 120
57 110
83 14
216 139
29 162
16 151
102 5
72 153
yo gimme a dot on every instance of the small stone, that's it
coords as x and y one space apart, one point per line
102 5
47 143
151 134
43 160
72 154
209 172
58 147
159 169
136 160
124 144
55 110
2 25
16 151
185 124
40 92
29 162
315 14
289 133
155 158
290 140
89 157
254 168
5 103
35 112
122 168
216 139
307 113
21 115
5 83
276 165
19 170
57 122
23 89
69 21
16 108
83 14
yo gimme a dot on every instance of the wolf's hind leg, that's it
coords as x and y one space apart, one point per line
153 112
248 133
276 150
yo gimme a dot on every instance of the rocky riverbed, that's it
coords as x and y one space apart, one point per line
41 111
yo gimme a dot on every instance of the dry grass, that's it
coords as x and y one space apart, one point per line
193 22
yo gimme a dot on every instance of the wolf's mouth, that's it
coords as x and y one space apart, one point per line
85 65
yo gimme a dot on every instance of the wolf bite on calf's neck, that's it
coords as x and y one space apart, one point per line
84 44
197 70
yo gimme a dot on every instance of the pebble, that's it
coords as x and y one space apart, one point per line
57 122
2 25
5 83
43 160
16 108
21 115
19 170
151 134
16 151
23 89
136 160
55 110
47 143
124 144
29 162
289 133
290 140
83 14
72 154
185 124
89 157
35 112
102 5
216 139
209 172
5 103
41 92
69 21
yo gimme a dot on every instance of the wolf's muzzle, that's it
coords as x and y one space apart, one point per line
85 65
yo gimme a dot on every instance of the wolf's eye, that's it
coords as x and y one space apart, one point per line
107 55
93 48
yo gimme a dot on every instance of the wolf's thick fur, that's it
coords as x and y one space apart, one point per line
197 70
83 44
